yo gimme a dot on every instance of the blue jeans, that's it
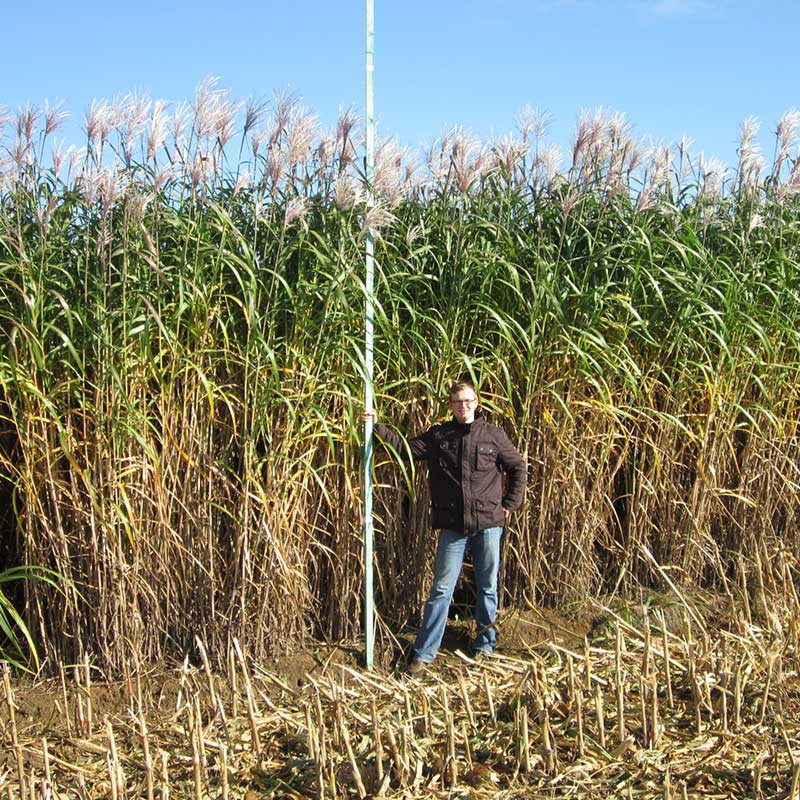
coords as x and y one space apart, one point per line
485 548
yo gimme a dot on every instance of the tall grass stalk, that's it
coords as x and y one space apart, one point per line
181 366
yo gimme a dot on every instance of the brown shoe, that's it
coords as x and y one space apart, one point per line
416 666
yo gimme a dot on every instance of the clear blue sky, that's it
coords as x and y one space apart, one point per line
674 67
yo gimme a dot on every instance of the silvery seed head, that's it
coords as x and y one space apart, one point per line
225 128
180 124
275 164
254 114
582 137
548 161
345 140
295 209
243 180
27 118
790 188
787 131
377 218
109 187
159 126
712 175
203 167
99 122
509 152
208 101
347 192
283 106
53 117
388 183
532 123
137 202
749 152
300 133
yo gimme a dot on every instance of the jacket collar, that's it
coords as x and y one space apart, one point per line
467 427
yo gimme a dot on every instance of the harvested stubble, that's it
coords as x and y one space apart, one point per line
722 721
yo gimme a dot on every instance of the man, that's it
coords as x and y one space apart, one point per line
466 459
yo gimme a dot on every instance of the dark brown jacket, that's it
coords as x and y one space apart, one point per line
465 470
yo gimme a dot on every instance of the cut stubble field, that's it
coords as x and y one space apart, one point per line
669 698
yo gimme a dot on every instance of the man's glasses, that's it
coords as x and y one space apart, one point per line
463 402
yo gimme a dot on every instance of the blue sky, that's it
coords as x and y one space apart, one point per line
676 68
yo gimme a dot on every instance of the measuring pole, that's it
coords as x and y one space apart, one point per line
369 402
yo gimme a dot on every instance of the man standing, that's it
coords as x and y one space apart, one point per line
466 459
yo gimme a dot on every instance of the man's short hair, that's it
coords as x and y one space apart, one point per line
460 386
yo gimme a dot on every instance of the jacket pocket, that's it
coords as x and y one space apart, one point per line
486 457
488 513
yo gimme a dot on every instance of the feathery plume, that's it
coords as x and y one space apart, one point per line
180 124
548 160
645 198
345 146
389 181
787 130
76 161
157 134
567 204
86 186
295 209
257 138
300 133
751 161
413 232
618 129
582 135
208 100
98 122
109 187
203 167
662 158
137 203
377 218
532 123
324 153
509 152
790 188
242 181
749 130
226 122
684 145
164 174
756 221
411 174
255 111
284 105
53 117
27 118
22 157
135 110
58 158
275 164
712 175
468 159
347 193
599 134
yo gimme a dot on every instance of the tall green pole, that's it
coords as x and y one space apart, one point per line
369 171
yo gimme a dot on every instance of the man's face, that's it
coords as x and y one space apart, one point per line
463 405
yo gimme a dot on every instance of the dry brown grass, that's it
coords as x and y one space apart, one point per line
654 702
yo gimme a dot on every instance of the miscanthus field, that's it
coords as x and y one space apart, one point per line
181 380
